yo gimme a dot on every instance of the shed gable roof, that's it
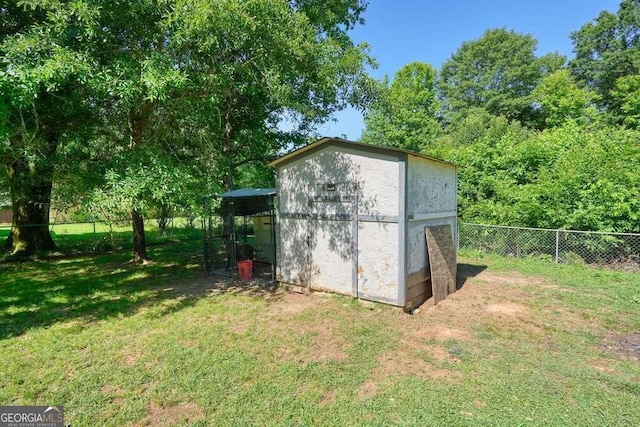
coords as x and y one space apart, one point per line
351 144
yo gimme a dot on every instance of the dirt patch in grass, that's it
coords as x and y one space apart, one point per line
319 395
507 309
439 332
503 301
129 358
511 278
440 353
109 389
218 286
324 345
603 366
291 303
328 398
186 413
327 346
308 334
367 390
116 394
403 361
188 343
485 307
627 345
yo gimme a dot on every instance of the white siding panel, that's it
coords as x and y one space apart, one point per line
376 175
378 261
332 256
294 186
431 187
293 251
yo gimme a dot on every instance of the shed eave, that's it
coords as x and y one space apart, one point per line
352 144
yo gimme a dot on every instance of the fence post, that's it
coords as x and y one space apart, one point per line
557 244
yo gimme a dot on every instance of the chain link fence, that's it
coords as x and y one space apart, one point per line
618 250
102 235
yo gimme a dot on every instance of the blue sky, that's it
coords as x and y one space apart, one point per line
403 31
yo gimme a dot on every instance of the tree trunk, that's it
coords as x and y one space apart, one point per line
137 123
227 148
30 184
227 155
139 239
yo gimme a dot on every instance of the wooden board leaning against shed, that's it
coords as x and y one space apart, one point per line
442 260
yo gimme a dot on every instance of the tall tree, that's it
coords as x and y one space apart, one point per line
138 75
263 61
607 49
237 67
260 62
496 72
42 69
405 114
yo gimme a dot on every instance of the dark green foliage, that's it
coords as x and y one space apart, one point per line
43 69
536 147
607 50
572 176
496 72
405 114
155 103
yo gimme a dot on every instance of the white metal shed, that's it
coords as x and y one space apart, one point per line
352 219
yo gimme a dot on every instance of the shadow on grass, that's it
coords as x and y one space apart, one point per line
467 271
93 287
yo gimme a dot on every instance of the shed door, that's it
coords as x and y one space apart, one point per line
333 239
331 250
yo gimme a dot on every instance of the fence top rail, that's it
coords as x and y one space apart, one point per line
610 233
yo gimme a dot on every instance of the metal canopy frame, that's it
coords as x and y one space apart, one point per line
219 227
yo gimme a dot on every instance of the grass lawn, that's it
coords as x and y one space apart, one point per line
101 237
521 343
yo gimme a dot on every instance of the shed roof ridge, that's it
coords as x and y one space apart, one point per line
328 140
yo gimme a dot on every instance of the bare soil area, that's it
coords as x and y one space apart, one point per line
428 345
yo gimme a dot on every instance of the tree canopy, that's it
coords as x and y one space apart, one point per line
571 176
560 99
540 143
131 106
497 72
404 115
607 50
204 83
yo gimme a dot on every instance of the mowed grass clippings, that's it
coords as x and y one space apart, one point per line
521 343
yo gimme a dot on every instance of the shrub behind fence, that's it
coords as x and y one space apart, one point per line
561 246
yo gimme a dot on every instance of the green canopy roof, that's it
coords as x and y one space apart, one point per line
247 201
